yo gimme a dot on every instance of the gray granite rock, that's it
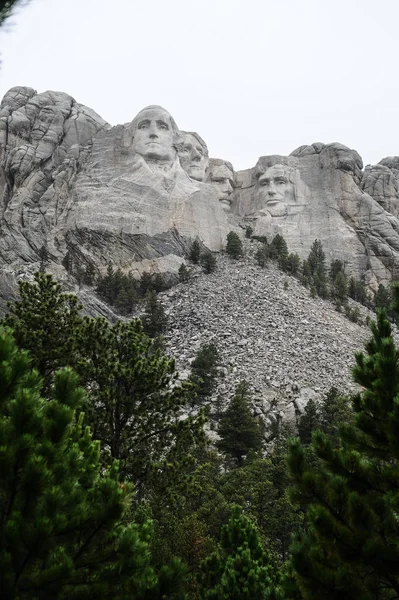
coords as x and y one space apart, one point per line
321 192
138 194
288 346
74 185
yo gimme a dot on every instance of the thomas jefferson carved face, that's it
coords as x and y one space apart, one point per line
154 134
222 179
193 156
275 190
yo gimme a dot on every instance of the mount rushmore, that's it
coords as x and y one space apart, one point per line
138 194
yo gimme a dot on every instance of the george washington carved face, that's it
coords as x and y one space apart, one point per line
154 133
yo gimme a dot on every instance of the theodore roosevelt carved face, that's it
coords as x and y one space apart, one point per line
221 176
275 191
155 134
194 157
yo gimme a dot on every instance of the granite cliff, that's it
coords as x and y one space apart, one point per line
137 194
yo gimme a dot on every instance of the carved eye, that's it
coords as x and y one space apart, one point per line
163 126
184 150
143 126
264 182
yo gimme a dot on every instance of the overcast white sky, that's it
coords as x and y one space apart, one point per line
252 77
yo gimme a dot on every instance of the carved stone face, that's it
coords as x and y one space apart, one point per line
154 136
275 191
193 157
222 179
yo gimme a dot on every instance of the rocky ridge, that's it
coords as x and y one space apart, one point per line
83 193
289 346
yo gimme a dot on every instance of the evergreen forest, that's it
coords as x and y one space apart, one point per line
110 487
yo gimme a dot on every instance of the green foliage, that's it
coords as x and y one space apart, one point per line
383 298
248 232
208 262
339 288
337 266
89 276
261 488
136 400
306 277
45 321
357 291
335 410
290 264
118 289
184 273
262 255
195 252
314 271
309 421
234 246
351 546
155 283
353 314
278 249
61 514
154 319
44 258
240 568
240 432
204 369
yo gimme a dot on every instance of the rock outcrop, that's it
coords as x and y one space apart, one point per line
73 186
79 192
321 192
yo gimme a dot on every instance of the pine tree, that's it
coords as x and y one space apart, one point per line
316 262
335 409
339 289
278 249
351 547
135 400
146 283
337 266
382 298
357 291
44 258
204 369
195 252
248 232
154 319
290 264
234 245
67 262
184 273
208 262
240 569
306 277
309 422
262 255
239 431
45 321
61 514
89 274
